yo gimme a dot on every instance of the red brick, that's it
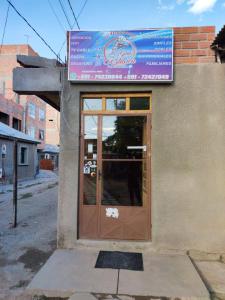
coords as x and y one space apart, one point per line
210 52
211 37
207 29
186 30
181 52
177 45
182 37
186 60
199 37
207 59
199 52
204 44
190 45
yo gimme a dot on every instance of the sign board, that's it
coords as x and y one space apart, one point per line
121 56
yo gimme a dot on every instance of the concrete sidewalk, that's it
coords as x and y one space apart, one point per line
69 272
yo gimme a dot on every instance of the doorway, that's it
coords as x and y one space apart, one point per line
115 167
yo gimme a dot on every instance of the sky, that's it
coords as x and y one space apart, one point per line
47 17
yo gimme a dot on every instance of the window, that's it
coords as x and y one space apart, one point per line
17 124
31 110
117 102
23 155
41 134
92 104
31 132
41 114
139 103
4 118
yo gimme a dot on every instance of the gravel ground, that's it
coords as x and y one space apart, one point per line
23 250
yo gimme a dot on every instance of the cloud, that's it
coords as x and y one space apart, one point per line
163 6
200 6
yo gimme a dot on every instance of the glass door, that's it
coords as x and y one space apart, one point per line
115 170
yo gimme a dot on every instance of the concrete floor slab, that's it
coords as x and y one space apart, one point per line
70 271
82 296
164 276
214 275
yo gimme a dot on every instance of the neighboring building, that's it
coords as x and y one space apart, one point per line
141 161
11 113
49 157
35 119
27 154
52 126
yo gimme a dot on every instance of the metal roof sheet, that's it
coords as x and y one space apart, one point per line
9 132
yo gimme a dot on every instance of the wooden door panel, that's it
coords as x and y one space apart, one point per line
89 221
131 224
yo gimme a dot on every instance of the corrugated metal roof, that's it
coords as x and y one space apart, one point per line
51 148
220 38
9 132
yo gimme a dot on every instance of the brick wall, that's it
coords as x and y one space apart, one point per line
52 125
192 45
12 109
7 63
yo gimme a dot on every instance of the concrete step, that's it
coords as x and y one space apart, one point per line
68 272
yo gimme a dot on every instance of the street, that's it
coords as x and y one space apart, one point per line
23 250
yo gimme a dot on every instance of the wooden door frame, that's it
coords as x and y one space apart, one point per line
102 113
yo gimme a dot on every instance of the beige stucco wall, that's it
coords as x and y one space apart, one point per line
188 158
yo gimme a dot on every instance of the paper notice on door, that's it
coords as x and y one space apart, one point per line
112 212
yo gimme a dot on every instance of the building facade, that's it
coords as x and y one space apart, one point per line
144 161
27 154
11 113
35 111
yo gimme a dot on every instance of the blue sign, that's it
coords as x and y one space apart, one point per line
135 55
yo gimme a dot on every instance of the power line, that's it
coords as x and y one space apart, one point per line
73 14
57 18
82 8
65 14
3 34
25 20
79 14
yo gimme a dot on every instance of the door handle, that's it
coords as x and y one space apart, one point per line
99 174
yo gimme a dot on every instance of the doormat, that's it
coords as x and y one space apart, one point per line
120 260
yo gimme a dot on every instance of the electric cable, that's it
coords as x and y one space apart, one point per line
64 12
4 29
73 14
25 20
82 8
56 16
78 16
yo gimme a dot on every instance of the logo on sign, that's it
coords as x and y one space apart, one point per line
119 52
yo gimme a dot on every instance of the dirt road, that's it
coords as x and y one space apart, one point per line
25 249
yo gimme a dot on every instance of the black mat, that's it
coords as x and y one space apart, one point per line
120 260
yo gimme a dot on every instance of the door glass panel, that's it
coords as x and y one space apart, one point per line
122 183
123 137
92 104
90 137
139 103
90 160
115 104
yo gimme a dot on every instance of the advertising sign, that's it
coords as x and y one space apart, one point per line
136 55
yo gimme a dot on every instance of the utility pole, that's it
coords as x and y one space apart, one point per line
15 164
